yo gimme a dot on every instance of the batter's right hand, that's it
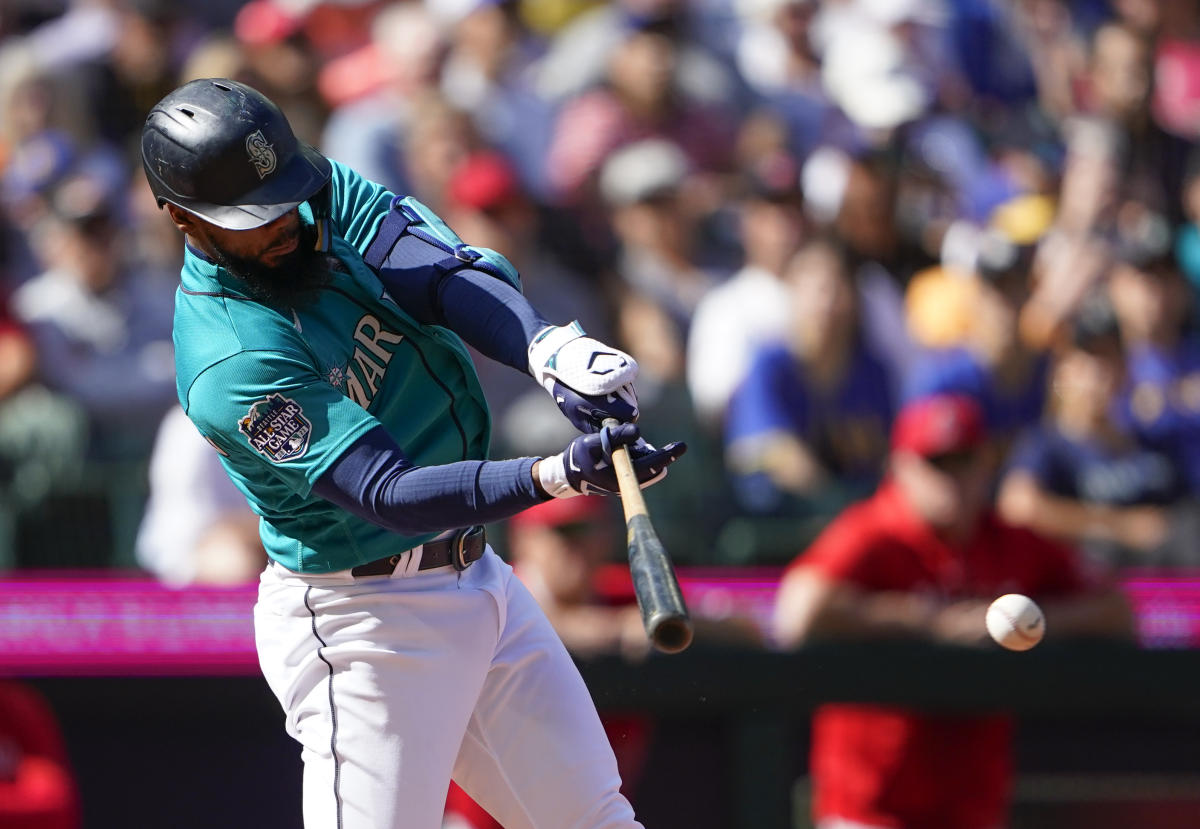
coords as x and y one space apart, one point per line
585 466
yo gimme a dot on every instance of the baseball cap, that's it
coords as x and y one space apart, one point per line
641 171
483 181
939 424
559 511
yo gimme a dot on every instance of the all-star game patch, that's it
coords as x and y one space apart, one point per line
277 428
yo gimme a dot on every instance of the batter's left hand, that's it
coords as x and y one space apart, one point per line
589 380
585 466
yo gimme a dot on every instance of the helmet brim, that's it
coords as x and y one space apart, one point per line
301 179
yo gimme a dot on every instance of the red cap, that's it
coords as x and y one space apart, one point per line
939 424
482 181
559 511
263 22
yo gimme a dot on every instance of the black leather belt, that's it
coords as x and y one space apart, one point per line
460 550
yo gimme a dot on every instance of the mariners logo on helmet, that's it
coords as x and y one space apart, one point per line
261 153
277 428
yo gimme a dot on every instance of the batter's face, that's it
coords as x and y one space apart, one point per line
278 261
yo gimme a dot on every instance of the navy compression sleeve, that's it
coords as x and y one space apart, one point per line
487 312
375 481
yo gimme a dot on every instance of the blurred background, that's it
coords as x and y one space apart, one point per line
799 216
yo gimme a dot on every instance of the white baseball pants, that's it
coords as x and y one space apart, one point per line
394 684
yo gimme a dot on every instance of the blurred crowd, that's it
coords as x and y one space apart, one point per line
797 215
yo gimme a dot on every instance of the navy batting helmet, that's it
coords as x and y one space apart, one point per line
224 151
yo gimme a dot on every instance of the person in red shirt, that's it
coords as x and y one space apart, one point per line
38 789
924 557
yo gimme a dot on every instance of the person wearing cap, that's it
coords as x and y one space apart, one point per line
321 329
921 559
1082 476
644 186
993 363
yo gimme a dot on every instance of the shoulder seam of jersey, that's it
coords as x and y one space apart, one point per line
220 294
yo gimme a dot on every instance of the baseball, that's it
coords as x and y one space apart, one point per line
1016 622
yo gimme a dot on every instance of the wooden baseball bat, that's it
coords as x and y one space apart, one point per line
664 613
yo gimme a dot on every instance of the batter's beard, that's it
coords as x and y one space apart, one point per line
294 281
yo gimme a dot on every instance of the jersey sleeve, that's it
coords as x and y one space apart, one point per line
274 418
357 205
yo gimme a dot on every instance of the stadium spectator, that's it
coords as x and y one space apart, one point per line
488 72
922 558
1150 298
993 364
579 53
102 327
751 306
1082 477
643 185
42 434
1120 81
864 216
641 99
776 57
815 407
373 93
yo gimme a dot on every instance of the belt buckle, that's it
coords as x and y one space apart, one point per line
458 548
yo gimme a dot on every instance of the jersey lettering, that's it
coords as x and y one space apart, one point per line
370 370
355 390
367 368
370 333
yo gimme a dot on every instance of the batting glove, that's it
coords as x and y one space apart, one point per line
585 466
587 379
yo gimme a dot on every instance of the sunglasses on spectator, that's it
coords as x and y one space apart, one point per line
575 530
954 462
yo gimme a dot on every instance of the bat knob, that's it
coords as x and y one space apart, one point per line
670 634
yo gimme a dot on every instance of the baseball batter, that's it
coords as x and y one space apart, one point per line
317 336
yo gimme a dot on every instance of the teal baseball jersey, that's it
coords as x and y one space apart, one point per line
281 393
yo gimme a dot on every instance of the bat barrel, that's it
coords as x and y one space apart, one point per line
664 613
